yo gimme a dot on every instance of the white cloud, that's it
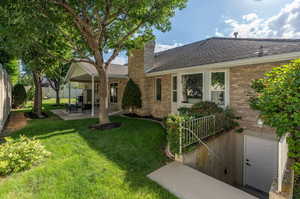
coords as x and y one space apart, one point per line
250 17
218 33
286 24
163 47
120 60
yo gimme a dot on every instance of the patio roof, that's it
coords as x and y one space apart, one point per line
83 72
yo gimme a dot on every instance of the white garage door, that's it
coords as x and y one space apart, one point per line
260 162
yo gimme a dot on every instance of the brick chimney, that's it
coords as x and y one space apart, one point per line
139 61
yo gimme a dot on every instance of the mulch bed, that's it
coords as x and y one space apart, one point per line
108 126
32 115
150 117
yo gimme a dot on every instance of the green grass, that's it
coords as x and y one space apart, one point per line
91 164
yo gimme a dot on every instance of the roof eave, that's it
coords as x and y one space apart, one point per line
229 64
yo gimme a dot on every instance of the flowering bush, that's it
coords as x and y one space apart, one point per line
19 155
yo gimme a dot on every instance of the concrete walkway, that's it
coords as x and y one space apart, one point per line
188 183
64 115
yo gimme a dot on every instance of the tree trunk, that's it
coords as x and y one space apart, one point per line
37 104
103 96
57 96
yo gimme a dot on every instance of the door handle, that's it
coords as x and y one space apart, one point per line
248 164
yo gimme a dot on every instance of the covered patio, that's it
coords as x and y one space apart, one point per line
86 105
65 115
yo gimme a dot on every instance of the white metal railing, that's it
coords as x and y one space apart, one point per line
195 129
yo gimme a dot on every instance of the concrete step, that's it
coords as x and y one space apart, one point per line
188 183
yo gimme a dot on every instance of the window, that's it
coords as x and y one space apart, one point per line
174 89
158 89
217 88
114 93
192 88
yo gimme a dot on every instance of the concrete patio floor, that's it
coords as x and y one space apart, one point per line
188 183
64 115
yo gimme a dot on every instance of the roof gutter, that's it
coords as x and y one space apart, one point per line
229 64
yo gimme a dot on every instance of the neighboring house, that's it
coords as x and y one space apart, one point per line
185 75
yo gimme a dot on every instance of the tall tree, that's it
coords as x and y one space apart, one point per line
11 64
33 39
96 27
55 76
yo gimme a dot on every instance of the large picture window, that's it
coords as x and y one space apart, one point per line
217 88
158 89
114 93
192 88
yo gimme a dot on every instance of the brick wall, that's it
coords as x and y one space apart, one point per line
240 92
161 108
139 61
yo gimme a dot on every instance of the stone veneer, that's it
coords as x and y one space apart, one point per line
241 78
161 108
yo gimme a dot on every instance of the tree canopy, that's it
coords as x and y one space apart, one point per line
278 100
93 29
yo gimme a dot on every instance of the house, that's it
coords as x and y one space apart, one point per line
185 75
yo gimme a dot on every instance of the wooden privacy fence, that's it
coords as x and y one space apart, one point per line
5 97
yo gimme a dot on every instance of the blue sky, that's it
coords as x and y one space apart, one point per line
251 18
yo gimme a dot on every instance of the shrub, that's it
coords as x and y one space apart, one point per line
19 155
225 118
173 131
277 99
132 96
205 108
18 95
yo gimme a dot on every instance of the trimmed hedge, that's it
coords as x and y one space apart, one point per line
132 96
18 95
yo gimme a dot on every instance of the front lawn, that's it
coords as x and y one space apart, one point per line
91 164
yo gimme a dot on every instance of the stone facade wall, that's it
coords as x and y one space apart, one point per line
137 74
161 108
240 92
221 164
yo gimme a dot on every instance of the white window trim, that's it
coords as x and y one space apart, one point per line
155 91
181 90
110 93
226 97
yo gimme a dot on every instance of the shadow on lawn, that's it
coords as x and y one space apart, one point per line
136 147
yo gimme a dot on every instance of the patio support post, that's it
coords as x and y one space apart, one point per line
69 96
93 95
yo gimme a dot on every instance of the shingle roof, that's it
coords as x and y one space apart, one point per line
114 69
219 49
